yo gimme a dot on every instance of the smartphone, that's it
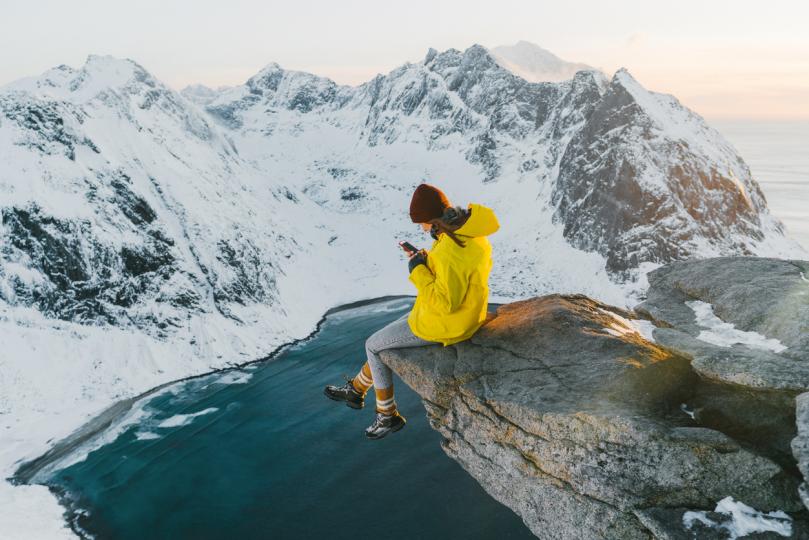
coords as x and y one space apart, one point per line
408 246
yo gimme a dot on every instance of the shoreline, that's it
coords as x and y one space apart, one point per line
26 472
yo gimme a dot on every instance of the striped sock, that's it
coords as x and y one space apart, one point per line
363 380
385 403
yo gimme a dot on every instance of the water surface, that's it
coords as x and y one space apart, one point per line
777 153
261 453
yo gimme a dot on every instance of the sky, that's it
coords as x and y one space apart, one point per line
724 59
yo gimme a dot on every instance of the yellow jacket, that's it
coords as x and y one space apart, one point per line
453 290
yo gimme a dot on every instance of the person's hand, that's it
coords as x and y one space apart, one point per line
417 258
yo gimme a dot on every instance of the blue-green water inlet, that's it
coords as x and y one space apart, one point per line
262 453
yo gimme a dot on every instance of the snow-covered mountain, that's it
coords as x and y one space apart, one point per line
149 235
535 64
201 94
632 175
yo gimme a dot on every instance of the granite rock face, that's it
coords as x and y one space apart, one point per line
565 412
760 297
767 296
633 186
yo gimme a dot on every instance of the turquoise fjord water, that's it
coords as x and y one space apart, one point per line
262 453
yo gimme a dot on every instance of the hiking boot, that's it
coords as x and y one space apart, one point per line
346 393
384 424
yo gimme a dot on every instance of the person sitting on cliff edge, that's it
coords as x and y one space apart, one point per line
451 303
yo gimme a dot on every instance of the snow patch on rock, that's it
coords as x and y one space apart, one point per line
623 326
742 520
724 334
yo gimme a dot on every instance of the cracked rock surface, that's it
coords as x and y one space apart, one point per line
564 412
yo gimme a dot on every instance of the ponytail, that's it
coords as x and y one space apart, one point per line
443 228
456 216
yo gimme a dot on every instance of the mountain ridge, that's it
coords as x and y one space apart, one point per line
463 102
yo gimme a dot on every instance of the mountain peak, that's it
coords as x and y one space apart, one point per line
99 72
477 48
271 75
478 52
272 67
268 77
673 118
106 71
641 95
431 53
96 63
535 64
201 94
622 74
476 55
528 46
106 58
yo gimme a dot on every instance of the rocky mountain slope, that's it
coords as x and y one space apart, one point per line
591 422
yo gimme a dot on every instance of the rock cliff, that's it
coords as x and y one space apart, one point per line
594 422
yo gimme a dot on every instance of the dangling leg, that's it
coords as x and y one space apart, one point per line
385 403
363 380
354 390
395 335
382 377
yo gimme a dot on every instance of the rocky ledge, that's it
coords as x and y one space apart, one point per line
590 421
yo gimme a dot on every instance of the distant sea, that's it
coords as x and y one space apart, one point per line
778 155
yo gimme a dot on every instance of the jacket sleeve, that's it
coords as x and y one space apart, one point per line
444 291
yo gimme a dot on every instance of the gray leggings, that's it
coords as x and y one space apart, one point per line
395 335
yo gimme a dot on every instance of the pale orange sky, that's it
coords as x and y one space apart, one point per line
740 59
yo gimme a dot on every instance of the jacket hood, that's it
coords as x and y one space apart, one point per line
482 222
